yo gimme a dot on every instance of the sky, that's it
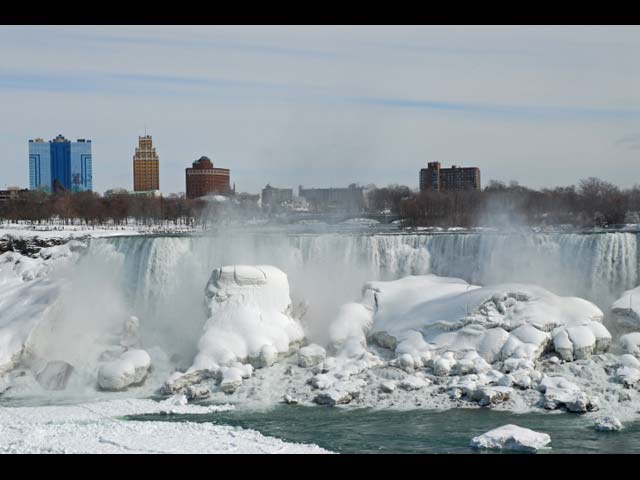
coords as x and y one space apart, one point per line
323 106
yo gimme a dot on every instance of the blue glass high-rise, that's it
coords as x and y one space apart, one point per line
60 165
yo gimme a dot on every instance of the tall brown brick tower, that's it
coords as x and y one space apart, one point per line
146 166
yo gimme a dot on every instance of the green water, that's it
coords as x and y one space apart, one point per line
363 430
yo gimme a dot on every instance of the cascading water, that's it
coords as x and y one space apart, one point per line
166 275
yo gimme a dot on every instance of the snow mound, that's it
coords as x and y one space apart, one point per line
512 437
249 317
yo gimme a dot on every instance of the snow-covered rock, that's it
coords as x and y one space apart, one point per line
290 400
628 376
191 384
248 310
512 437
414 382
630 343
340 394
438 320
492 395
626 309
311 355
608 423
129 369
559 391
388 386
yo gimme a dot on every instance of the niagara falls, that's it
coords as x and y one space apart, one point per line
318 240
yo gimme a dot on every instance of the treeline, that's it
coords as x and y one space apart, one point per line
593 202
91 209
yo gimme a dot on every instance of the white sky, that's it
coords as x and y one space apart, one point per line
328 106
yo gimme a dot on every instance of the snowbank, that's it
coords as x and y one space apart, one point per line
249 317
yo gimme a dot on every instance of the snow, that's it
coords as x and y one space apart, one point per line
249 309
99 428
512 437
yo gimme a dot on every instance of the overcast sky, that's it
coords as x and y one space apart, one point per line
328 106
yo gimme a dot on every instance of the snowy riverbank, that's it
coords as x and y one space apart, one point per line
99 428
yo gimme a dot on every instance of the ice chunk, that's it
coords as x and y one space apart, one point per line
608 423
512 437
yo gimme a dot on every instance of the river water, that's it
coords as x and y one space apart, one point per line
364 430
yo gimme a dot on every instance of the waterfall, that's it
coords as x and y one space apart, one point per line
166 275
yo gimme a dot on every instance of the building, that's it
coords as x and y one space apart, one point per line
146 166
275 197
60 165
11 193
347 200
202 179
444 179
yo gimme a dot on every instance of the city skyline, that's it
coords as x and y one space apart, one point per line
328 106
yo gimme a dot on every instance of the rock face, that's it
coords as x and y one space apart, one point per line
512 437
128 370
54 375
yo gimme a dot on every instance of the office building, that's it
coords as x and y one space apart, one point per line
60 165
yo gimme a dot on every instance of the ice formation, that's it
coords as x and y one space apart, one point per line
512 437
250 325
